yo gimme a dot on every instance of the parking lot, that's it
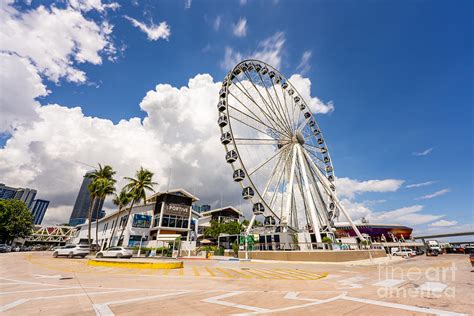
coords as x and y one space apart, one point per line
34 283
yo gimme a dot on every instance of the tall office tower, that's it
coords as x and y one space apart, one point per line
23 194
38 210
26 195
80 210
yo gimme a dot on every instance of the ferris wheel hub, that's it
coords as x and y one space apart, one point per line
299 138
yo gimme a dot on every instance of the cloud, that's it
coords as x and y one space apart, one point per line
152 31
407 215
34 35
269 51
187 4
303 85
88 5
422 184
443 223
243 2
350 187
217 23
432 195
240 28
424 153
303 66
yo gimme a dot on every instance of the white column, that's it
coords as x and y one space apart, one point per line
309 198
250 224
289 189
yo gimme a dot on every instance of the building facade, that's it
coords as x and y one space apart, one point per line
22 194
164 213
80 210
38 210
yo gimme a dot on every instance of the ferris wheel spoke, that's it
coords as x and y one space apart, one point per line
251 126
246 107
274 169
258 141
286 123
285 109
268 106
319 167
268 115
250 117
277 187
255 169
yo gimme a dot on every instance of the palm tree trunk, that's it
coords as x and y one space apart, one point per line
89 215
114 230
128 216
97 223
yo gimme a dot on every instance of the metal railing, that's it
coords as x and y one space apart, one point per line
309 246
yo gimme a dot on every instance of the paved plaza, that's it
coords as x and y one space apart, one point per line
34 283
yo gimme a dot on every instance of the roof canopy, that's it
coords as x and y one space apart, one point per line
225 208
179 191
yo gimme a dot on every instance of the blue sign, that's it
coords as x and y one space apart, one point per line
141 221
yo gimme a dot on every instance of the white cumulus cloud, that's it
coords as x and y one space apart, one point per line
153 32
350 187
54 39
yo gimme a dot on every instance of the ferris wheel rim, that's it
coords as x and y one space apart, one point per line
259 198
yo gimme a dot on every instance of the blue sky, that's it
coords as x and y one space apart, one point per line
398 73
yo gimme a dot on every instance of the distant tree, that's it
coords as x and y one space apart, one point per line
15 220
102 188
231 228
120 200
137 188
105 172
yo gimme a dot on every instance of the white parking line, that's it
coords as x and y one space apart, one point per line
103 309
401 306
216 300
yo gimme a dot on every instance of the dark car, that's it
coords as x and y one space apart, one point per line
419 252
471 257
4 248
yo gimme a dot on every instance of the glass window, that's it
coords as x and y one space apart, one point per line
172 222
165 221
179 222
185 223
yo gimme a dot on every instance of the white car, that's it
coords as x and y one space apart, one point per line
71 251
115 252
403 252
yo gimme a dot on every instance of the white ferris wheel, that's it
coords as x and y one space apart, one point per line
277 151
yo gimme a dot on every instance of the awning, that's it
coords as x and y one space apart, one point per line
168 237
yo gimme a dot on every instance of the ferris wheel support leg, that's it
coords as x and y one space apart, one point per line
250 224
354 227
289 189
325 182
312 209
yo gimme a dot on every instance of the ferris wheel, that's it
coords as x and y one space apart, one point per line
277 151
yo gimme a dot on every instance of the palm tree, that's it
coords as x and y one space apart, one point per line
137 189
121 201
104 187
105 172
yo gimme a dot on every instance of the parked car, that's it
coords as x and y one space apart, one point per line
432 252
4 248
419 252
403 252
72 251
115 252
471 257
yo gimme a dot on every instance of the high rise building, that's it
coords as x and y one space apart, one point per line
81 207
23 194
38 210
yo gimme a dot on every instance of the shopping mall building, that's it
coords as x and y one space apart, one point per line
163 214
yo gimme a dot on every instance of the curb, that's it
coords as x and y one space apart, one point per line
135 265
